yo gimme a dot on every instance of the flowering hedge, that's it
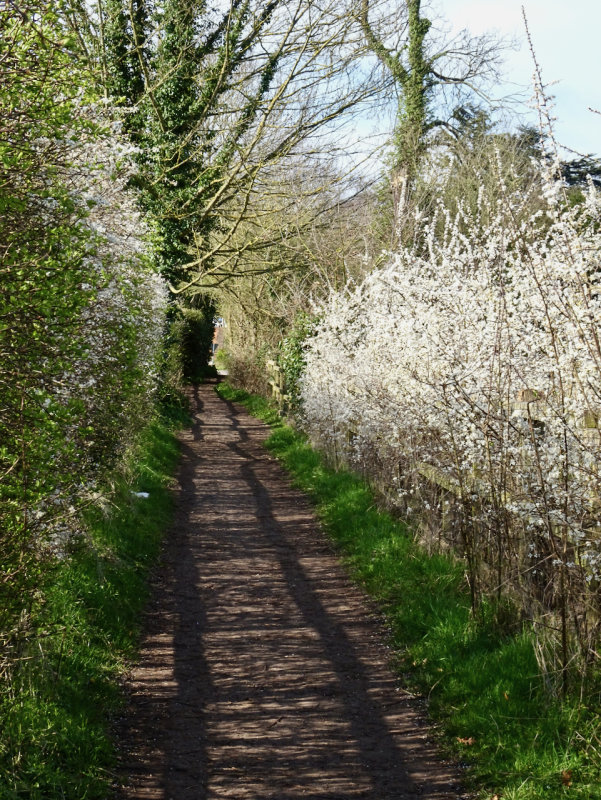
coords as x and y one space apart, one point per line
81 311
465 378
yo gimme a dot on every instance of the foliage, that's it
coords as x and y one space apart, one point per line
195 328
222 103
478 673
477 165
465 379
278 286
154 58
578 171
255 403
81 310
212 97
62 684
291 357
247 366
423 69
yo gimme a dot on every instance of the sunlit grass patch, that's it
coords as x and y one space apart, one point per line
256 405
83 626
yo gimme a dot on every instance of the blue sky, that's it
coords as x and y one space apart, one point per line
567 40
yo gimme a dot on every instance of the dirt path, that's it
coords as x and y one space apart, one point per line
263 673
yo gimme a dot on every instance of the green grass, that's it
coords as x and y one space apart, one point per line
83 627
480 676
256 405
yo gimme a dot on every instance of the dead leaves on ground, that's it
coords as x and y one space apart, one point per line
566 777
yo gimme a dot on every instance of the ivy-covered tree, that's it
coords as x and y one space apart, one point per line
423 68
218 101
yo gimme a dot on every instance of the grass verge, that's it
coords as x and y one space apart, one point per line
480 676
77 636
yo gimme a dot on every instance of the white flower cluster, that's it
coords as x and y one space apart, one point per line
110 384
131 299
474 362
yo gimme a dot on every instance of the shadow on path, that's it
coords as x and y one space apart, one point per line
263 673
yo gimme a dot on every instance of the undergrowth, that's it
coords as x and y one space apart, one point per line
479 675
79 633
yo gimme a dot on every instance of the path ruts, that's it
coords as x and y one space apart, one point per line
262 672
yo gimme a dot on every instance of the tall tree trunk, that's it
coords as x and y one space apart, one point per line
413 83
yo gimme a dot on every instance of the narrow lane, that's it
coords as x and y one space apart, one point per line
262 672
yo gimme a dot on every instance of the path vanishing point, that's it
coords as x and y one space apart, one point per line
263 669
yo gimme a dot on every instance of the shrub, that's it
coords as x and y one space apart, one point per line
466 381
81 310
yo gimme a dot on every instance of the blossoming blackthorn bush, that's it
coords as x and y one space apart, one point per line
465 378
81 311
